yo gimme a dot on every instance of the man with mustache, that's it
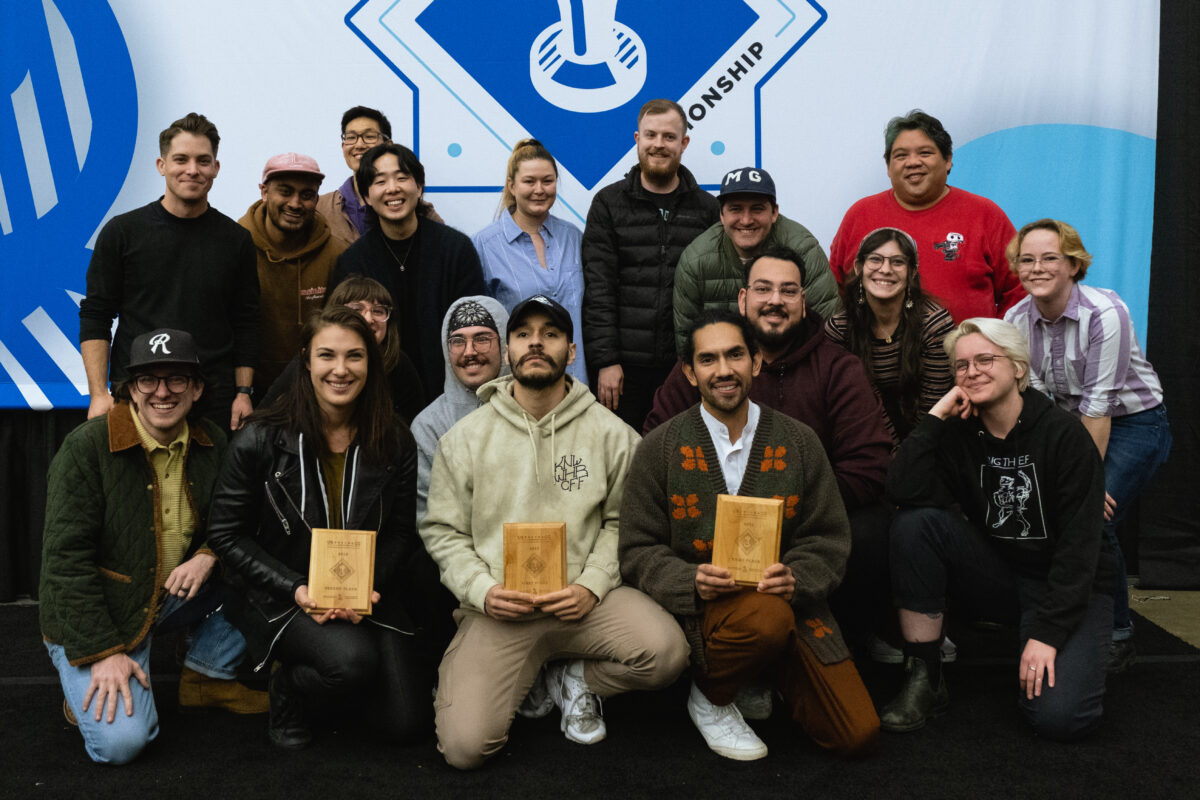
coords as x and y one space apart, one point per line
711 269
780 630
636 230
540 449
809 378
961 237
295 255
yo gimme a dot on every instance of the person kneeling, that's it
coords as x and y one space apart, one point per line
1002 497
329 453
780 632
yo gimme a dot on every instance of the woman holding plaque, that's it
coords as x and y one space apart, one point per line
895 329
328 454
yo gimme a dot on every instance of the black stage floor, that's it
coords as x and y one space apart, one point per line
1148 745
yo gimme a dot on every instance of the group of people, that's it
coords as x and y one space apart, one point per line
951 421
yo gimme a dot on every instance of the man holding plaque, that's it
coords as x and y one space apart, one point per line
539 450
780 630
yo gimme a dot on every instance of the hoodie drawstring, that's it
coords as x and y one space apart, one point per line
537 475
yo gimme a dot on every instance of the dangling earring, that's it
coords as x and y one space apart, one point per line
862 295
908 303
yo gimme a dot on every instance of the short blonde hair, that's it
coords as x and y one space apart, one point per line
1005 335
1068 241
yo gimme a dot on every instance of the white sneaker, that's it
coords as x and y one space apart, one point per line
538 703
884 653
724 729
754 702
582 720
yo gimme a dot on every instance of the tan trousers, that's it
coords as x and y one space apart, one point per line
750 636
628 642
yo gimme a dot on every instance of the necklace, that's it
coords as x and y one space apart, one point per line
398 260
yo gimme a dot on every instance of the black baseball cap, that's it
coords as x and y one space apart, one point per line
540 304
747 180
163 346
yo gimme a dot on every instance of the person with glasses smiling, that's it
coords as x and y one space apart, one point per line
344 209
1001 498
894 328
1087 359
125 555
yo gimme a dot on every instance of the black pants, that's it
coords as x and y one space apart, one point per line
365 667
862 603
637 391
935 552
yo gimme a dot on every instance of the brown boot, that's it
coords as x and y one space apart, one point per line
198 691
69 714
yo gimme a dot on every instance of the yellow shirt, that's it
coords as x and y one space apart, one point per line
176 519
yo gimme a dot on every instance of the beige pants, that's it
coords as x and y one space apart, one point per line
628 641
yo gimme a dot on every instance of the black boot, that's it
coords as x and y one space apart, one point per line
918 700
287 727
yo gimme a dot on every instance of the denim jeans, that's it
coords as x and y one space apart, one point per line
216 650
1137 445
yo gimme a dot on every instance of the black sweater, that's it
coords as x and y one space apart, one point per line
157 270
441 267
1038 494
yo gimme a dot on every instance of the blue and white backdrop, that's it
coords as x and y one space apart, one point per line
1052 107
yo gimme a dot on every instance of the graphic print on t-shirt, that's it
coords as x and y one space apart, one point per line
1014 509
951 246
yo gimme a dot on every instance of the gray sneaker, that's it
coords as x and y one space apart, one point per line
538 703
754 702
582 718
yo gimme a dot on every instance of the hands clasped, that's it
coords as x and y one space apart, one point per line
713 581
572 603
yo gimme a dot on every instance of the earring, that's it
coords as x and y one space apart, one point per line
908 303
862 295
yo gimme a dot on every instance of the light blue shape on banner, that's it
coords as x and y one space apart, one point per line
1099 180
64 155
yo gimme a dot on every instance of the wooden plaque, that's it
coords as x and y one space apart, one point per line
746 537
341 569
535 556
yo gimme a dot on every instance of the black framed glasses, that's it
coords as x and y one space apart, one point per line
481 341
369 138
148 384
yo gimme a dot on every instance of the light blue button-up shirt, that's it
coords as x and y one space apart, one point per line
511 270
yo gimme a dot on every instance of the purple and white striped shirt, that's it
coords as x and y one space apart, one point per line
1088 361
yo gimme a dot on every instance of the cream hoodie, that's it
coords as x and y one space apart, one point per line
499 465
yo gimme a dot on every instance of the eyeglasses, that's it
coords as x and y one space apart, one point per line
377 313
369 138
875 261
481 341
1049 261
763 291
983 363
148 384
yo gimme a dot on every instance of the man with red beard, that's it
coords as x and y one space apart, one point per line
636 230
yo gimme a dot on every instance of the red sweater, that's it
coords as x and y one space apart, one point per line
960 244
826 388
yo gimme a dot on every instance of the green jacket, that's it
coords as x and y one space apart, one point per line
710 274
102 572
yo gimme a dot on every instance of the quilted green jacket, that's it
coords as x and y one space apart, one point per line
710 274
102 572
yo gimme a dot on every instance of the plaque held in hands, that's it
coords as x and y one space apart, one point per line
746 537
535 557
341 570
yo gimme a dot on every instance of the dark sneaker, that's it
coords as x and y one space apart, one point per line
917 702
1121 655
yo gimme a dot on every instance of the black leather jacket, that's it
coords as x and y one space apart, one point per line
268 499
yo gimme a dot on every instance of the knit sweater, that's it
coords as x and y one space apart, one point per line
669 511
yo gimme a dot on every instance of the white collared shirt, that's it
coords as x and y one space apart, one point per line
732 456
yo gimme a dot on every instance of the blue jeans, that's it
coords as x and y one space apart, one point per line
216 650
1137 445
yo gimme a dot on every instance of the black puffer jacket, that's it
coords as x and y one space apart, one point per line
629 257
268 499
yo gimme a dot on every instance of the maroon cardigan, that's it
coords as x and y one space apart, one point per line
826 388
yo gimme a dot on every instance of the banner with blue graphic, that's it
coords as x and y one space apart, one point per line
1052 107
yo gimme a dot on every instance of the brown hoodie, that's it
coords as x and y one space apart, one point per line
292 286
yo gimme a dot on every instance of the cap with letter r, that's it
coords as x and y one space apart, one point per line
163 346
747 180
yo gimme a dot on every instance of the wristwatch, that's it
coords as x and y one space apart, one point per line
246 390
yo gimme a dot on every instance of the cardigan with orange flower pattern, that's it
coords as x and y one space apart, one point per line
669 509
